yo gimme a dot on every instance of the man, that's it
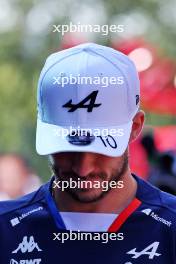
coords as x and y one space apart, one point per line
93 208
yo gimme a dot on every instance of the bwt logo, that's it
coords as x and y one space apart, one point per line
26 261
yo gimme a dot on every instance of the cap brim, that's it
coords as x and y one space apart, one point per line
49 142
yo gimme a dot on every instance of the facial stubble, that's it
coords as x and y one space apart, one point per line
80 195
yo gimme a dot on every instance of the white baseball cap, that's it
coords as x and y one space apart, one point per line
68 105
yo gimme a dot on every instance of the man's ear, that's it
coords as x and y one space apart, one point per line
138 122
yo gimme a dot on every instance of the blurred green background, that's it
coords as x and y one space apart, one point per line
27 38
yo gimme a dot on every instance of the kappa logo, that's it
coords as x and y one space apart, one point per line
27 246
25 261
151 251
149 212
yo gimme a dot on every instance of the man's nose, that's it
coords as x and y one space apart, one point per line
83 163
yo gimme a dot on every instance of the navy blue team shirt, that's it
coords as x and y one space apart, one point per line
30 226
